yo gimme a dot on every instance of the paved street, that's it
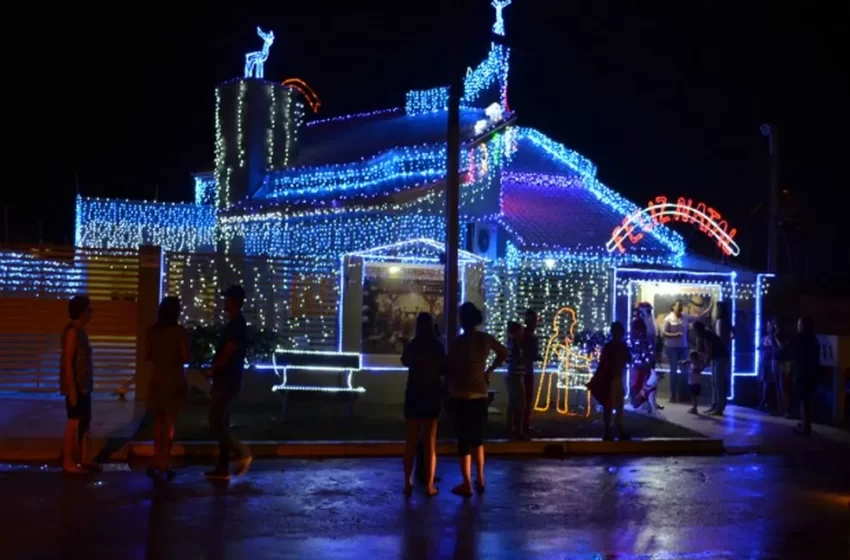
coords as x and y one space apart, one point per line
659 508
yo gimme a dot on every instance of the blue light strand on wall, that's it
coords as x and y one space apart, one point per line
418 102
110 223
493 70
205 188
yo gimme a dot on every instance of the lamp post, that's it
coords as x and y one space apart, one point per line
452 193
770 132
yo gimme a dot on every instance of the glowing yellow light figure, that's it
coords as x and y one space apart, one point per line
561 363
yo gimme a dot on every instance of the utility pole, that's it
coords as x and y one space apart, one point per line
770 131
453 179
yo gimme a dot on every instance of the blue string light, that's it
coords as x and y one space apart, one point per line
254 61
499 25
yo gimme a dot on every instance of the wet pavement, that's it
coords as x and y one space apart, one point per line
701 508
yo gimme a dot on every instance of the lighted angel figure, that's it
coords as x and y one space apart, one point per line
564 366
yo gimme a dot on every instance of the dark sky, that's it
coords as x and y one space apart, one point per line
665 97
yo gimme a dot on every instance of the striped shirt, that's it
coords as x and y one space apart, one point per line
516 358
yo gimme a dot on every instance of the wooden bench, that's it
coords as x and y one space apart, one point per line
345 364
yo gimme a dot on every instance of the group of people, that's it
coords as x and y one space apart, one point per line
789 369
460 383
168 351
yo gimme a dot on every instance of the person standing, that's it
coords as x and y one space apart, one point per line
531 355
425 359
675 335
805 369
514 382
782 369
769 374
606 385
468 385
716 354
76 384
168 349
226 374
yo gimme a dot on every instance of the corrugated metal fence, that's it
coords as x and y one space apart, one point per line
36 283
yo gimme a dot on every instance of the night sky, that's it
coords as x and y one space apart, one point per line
666 98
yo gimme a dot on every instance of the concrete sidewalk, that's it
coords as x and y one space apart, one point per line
31 430
746 430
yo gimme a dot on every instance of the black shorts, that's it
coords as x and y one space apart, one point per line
422 404
82 411
696 390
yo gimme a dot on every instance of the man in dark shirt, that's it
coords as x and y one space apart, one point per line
531 355
717 354
226 375
805 369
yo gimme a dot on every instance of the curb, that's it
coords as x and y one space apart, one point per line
47 450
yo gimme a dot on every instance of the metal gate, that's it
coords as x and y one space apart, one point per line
36 283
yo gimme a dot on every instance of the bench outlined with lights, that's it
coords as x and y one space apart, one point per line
344 364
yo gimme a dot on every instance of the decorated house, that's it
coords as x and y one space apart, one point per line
336 225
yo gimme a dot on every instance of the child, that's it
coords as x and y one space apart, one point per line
514 381
606 386
694 366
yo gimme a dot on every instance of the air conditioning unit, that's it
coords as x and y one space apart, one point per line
485 240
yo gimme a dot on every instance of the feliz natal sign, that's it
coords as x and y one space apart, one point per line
660 211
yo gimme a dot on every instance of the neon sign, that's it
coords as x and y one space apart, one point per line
301 87
660 211
567 367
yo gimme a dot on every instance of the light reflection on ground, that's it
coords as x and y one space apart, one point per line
608 508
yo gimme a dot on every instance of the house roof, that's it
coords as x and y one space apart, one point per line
551 199
344 140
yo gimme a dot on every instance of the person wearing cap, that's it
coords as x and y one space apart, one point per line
226 375
77 382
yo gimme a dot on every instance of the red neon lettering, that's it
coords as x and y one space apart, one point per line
645 224
618 240
634 238
659 211
700 218
662 217
683 209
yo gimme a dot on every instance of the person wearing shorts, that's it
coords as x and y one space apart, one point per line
77 382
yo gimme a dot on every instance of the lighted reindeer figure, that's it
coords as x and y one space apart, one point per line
561 362
499 26
254 60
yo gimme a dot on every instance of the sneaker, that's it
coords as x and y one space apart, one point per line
692 411
217 474
716 413
708 411
243 464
